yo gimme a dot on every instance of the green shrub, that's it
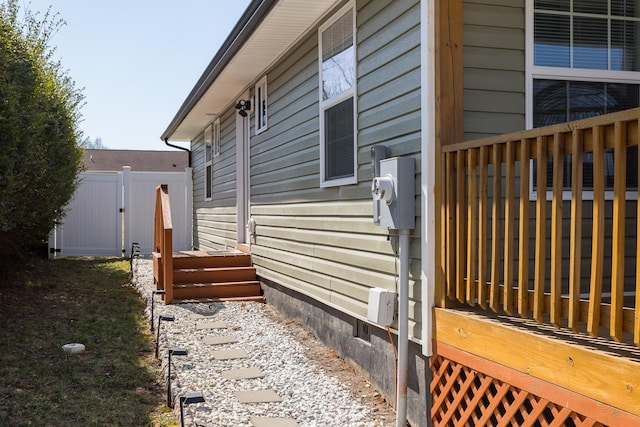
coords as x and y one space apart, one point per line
40 140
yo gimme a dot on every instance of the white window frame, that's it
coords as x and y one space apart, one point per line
326 104
208 163
261 105
217 144
534 72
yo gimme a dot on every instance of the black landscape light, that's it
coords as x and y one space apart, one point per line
172 352
166 318
153 294
189 398
135 253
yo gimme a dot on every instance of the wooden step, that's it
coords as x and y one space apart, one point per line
213 275
249 288
210 275
200 259
260 298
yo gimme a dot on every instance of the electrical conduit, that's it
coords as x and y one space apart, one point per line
403 330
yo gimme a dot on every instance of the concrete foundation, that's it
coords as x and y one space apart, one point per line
371 354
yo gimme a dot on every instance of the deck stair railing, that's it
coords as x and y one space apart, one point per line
524 236
163 239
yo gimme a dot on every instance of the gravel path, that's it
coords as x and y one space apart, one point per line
320 390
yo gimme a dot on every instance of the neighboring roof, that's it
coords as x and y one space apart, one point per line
266 30
139 160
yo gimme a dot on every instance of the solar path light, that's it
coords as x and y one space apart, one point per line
166 318
187 399
153 294
172 352
135 253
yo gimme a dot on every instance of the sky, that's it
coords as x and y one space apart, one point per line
136 60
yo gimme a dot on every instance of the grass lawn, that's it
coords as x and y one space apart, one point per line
116 382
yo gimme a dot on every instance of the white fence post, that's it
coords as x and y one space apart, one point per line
119 213
126 209
53 240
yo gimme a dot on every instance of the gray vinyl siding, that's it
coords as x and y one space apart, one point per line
214 221
285 158
494 67
322 241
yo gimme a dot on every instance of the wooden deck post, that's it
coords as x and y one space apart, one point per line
163 243
449 129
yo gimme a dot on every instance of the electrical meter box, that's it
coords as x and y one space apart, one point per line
394 191
381 307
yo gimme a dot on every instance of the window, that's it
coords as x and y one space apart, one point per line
337 106
558 101
586 34
261 105
208 162
584 61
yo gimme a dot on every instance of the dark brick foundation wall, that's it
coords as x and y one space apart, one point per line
373 359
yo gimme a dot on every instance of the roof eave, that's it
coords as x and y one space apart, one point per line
264 33
247 24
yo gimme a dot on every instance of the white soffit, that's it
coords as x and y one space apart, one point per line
280 29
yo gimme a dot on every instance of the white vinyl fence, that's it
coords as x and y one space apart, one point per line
111 210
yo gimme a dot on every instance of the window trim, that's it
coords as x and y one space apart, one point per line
261 120
326 104
208 163
560 73
217 144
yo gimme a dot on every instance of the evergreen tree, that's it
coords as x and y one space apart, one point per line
40 140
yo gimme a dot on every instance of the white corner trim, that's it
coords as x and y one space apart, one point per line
428 165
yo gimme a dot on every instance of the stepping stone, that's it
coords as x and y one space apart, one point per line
232 353
197 316
273 422
242 374
211 325
222 339
257 396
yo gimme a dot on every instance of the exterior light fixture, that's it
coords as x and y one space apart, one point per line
189 398
243 106
172 352
154 293
166 318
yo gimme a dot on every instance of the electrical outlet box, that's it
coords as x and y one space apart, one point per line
394 189
381 307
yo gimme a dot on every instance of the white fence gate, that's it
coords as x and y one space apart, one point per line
111 210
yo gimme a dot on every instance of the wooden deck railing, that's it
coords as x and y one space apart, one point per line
512 253
163 240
